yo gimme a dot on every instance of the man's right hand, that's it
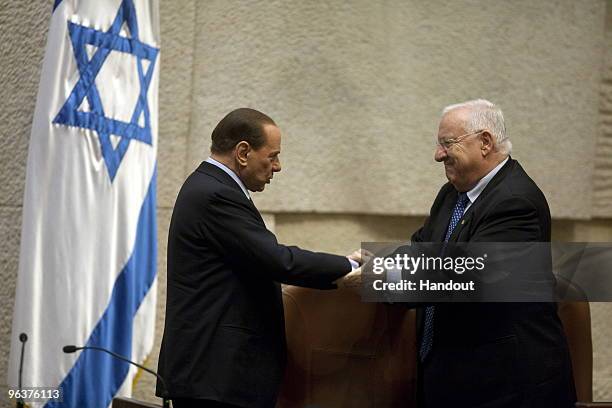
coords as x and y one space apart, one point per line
351 281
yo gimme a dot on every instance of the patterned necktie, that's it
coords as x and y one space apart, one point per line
427 339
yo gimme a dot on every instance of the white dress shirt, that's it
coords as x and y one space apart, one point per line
482 183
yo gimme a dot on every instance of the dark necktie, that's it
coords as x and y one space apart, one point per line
427 338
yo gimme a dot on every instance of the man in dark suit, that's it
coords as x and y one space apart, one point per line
224 335
488 355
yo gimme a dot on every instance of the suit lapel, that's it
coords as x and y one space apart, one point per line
252 204
218 174
225 178
495 181
469 214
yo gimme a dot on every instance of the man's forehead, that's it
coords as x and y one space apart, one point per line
460 114
273 136
454 120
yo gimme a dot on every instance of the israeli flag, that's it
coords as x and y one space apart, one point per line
87 266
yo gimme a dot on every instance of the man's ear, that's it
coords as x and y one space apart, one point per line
242 150
487 144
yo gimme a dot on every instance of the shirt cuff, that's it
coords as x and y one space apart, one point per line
354 265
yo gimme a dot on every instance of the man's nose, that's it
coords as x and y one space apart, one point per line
277 166
440 154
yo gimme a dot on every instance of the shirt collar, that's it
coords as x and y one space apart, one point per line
482 183
231 173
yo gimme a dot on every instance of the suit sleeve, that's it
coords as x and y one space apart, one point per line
244 241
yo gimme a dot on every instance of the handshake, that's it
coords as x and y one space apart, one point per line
352 280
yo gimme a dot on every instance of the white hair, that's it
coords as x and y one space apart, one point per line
485 115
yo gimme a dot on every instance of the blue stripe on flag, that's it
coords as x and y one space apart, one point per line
56 3
96 377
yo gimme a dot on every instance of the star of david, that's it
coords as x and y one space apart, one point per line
94 118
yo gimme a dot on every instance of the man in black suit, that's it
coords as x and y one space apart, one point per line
488 355
224 335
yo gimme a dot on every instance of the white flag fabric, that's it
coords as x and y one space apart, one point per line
87 266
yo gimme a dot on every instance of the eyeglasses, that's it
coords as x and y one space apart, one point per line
446 144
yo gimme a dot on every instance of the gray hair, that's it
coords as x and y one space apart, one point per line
485 115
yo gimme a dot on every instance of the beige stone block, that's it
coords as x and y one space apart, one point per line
601 314
593 231
23 34
563 230
144 388
270 221
602 177
177 21
606 92
341 233
10 231
357 88
608 28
